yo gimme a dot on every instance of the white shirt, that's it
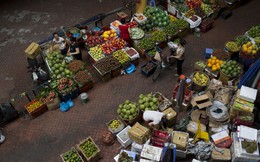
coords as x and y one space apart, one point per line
154 116
60 42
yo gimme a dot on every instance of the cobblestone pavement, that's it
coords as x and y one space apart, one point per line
47 136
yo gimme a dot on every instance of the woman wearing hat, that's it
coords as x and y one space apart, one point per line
74 49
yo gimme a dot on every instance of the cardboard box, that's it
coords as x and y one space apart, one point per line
224 155
201 101
33 50
123 137
248 94
180 139
139 133
151 152
170 115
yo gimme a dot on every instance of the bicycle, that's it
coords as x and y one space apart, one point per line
161 62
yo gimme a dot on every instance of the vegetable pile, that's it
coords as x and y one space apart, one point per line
158 36
88 148
241 39
148 67
170 29
75 66
148 102
94 40
124 157
96 53
254 31
47 96
230 68
136 33
64 85
180 24
152 52
201 64
146 43
121 56
82 77
128 110
71 156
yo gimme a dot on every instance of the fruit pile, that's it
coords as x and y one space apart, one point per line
152 52
214 64
254 31
232 46
88 148
257 41
201 64
109 34
193 3
230 68
75 66
33 106
113 45
72 156
116 23
180 24
241 39
158 36
47 96
121 56
107 64
96 53
128 110
182 8
94 40
206 8
200 79
249 48
64 85
172 18
57 65
83 77
170 29
189 13
136 33
114 124
148 102
146 43
124 157
157 15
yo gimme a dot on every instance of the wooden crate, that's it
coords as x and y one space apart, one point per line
95 157
73 148
38 111
116 71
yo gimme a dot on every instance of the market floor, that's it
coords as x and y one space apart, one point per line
47 136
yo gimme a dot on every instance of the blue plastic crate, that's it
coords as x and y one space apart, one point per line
208 53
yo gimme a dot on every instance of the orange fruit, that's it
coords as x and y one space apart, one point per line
213 62
214 57
209 65
214 68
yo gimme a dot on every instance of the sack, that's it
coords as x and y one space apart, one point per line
130 69
64 107
7 113
158 57
222 95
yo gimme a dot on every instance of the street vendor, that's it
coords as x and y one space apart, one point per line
154 118
57 40
124 31
180 56
74 49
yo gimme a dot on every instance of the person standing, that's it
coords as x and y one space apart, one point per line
57 40
74 49
124 31
180 56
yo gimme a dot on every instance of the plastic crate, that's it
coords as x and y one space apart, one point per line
92 158
149 73
208 53
123 137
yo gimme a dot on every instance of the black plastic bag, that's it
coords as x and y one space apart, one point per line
7 112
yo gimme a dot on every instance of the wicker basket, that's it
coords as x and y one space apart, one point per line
197 87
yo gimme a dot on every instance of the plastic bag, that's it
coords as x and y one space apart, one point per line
70 103
64 107
130 69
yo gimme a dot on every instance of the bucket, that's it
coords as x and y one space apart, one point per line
84 97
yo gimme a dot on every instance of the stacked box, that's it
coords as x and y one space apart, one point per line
139 133
33 50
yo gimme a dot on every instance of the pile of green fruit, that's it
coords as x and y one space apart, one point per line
158 36
254 31
241 39
182 8
170 29
71 156
57 65
257 41
148 102
250 147
88 148
96 53
124 157
206 8
33 106
232 46
201 64
128 110
180 24
200 79
114 124
158 16
121 56
152 52
230 68
147 26
146 43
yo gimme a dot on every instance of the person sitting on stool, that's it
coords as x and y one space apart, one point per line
154 118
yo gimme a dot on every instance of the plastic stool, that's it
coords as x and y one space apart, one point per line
208 53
